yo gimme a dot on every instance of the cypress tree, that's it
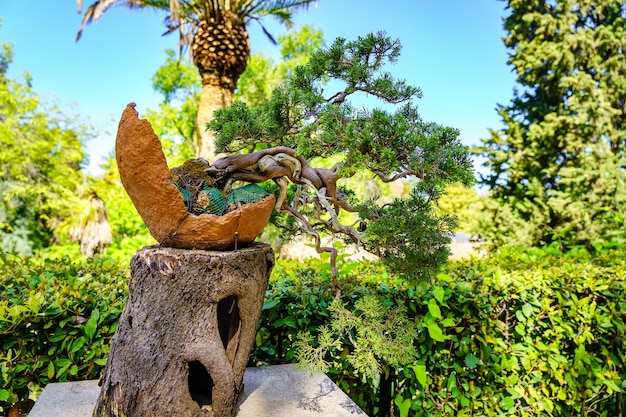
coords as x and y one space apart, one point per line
557 167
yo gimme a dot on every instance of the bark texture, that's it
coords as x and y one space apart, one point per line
212 98
186 332
94 233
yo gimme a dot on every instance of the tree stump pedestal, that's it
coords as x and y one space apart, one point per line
186 332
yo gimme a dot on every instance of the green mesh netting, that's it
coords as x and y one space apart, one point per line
201 198
186 194
248 194
214 202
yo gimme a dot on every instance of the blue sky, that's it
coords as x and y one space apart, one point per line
452 50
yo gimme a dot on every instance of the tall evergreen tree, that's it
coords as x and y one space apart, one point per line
557 167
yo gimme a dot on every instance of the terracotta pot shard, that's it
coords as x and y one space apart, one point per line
146 178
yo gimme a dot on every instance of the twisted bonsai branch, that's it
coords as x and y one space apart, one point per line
281 165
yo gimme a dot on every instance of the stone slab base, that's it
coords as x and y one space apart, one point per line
270 391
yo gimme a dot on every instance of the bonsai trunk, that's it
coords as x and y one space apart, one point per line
186 332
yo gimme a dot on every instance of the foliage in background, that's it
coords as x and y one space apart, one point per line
465 203
41 154
57 319
263 74
129 231
557 168
178 81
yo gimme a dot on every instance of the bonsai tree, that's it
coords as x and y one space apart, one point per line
317 115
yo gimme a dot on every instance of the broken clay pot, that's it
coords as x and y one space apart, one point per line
146 178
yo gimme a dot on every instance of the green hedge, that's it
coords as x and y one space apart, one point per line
56 322
526 333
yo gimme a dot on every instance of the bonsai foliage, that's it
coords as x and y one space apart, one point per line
317 114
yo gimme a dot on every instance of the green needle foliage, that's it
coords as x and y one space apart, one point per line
557 166
315 113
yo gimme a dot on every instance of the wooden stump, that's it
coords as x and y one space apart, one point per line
186 332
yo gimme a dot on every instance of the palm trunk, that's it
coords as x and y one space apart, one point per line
213 97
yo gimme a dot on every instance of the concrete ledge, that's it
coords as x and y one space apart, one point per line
271 391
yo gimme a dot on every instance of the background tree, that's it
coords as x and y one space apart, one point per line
129 232
178 81
465 203
305 119
180 85
263 74
41 154
557 167
215 32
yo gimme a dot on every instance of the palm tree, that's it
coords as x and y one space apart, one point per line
216 35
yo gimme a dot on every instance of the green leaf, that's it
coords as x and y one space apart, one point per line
50 370
92 324
448 322
62 362
507 403
348 267
439 293
404 405
270 303
291 322
434 309
57 337
77 344
527 309
452 382
4 394
444 277
435 333
62 365
420 374
471 361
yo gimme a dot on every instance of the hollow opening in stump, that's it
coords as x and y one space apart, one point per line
200 384
229 323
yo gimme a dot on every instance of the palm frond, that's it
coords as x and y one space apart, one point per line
95 11
282 10
185 15
277 6
175 9
266 32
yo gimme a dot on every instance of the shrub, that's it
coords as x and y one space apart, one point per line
525 333
56 321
